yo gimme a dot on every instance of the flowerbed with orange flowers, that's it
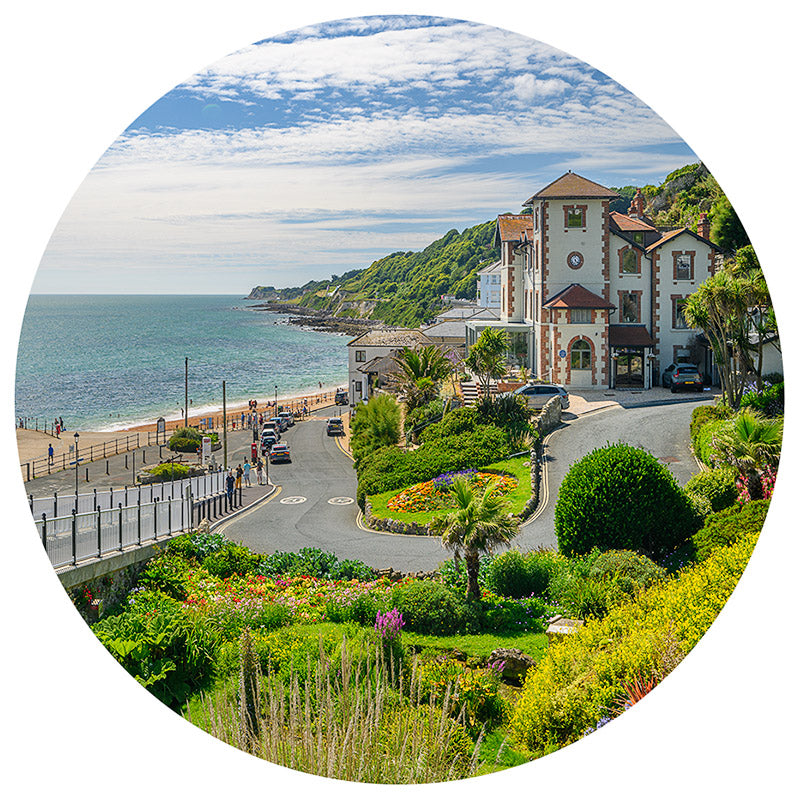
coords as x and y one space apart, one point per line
436 494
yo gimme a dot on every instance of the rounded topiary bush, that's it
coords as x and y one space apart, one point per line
718 486
430 607
620 497
511 574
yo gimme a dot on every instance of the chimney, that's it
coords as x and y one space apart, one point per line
703 226
637 206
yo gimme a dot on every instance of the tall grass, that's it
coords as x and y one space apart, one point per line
358 718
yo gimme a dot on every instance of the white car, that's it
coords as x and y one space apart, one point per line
537 394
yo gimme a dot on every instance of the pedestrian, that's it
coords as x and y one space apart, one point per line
247 473
50 453
260 472
243 419
58 429
229 483
239 473
61 423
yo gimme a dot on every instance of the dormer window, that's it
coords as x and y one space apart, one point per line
638 237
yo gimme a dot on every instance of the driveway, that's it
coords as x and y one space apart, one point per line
314 505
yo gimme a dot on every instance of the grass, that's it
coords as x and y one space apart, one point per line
481 644
518 467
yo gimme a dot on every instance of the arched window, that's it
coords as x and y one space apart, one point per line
581 355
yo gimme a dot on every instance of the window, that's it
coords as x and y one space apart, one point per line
638 237
575 218
361 355
629 263
581 355
678 319
683 267
629 307
536 219
579 316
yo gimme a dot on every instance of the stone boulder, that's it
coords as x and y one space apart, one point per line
512 664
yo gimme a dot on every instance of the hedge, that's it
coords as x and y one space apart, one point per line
728 526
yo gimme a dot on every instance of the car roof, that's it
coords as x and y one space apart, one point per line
280 446
334 419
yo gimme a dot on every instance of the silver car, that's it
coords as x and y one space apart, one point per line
537 394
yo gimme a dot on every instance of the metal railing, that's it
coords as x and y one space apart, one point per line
104 499
71 539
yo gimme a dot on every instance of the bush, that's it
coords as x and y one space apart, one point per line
168 472
718 486
231 559
513 575
577 681
455 422
728 526
167 573
315 563
198 544
769 401
180 445
422 414
632 571
620 497
701 505
430 607
704 446
701 416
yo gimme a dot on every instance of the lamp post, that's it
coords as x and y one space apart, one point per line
76 470
276 399
186 391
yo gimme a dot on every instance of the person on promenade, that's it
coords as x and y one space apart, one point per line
229 483
58 429
260 472
239 473
247 473
61 423
50 453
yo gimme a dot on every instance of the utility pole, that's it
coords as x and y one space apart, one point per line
224 429
186 392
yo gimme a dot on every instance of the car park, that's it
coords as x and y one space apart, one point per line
335 427
682 376
288 416
280 453
536 395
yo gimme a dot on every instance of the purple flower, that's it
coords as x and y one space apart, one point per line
389 624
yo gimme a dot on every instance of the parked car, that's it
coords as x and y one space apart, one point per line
280 452
537 394
288 416
271 427
267 441
341 398
682 376
281 423
335 427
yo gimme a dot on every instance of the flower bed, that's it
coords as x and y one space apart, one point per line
436 494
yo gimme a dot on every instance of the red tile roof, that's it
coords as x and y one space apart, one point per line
629 336
673 234
512 226
626 223
576 296
570 185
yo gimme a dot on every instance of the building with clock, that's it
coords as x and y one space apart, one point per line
592 297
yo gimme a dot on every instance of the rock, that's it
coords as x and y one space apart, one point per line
562 626
204 528
513 664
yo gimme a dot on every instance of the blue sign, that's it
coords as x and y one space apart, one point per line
562 353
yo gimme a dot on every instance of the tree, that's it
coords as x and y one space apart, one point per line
750 445
726 227
478 524
376 424
487 357
420 372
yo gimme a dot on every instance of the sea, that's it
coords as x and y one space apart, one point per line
106 362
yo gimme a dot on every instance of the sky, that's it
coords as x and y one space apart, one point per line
318 151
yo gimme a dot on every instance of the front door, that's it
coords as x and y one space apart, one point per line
630 369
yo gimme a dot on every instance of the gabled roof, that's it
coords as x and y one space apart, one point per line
573 186
629 336
391 337
488 270
511 227
447 329
670 235
626 223
577 296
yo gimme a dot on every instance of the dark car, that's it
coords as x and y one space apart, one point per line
268 440
537 394
272 429
341 398
682 376
280 452
335 427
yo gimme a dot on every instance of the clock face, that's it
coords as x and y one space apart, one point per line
575 260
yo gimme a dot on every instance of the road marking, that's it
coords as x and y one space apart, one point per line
341 501
292 501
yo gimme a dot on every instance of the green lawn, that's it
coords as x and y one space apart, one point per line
481 644
518 467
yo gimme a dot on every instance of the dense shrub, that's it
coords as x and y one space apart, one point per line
620 497
198 544
578 680
508 411
181 445
704 441
231 559
167 573
718 486
315 563
454 575
459 420
167 648
511 574
701 416
728 526
422 414
701 505
375 425
168 472
630 570
430 607
769 401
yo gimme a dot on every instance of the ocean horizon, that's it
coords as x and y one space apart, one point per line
106 362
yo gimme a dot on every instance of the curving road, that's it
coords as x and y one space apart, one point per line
300 512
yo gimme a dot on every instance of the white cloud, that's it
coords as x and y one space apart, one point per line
527 87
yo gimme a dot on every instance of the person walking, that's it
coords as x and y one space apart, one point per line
247 473
229 483
61 423
58 429
239 473
260 472
50 453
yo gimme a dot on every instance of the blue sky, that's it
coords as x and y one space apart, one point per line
321 150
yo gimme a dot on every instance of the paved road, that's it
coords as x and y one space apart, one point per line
321 472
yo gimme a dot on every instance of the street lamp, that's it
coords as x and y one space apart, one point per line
76 470
276 399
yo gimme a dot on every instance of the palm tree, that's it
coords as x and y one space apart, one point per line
475 527
487 357
419 373
751 445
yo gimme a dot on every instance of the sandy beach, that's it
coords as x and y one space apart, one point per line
34 444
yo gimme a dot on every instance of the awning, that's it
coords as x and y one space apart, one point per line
629 336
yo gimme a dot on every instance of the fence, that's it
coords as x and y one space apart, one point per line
62 505
77 537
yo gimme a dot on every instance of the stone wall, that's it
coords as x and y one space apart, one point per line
550 416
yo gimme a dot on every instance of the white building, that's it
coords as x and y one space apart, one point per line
488 295
593 298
